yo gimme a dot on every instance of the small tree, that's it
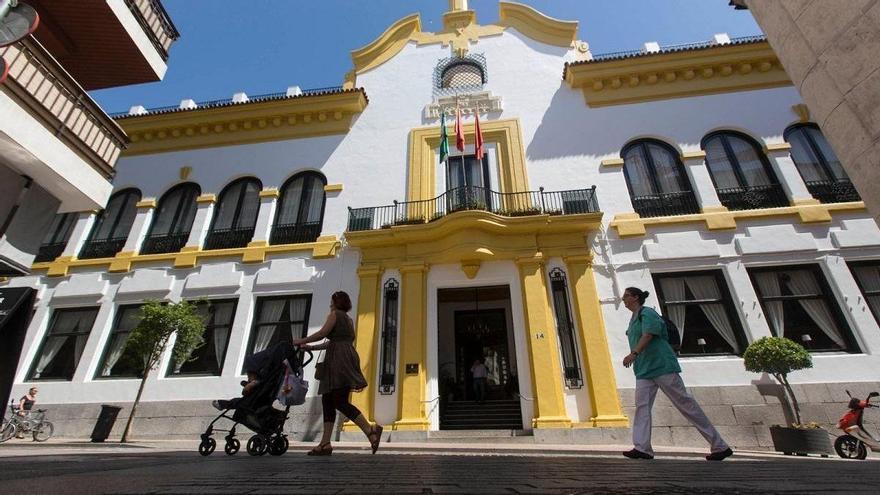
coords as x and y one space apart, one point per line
148 341
778 357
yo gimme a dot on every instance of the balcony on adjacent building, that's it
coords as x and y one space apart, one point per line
168 243
753 197
229 238
666 204
102 248
107 43
474 198
833 191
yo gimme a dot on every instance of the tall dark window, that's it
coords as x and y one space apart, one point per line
467 183
208 359
279 319
119 361
700 305
657 182
57 236
63 345
799 305
565 329
741 172
867 275
300 209
462 74
818 165
112 225
391 293
235 215
173 220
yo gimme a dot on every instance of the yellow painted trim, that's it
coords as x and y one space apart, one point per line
471 268
507 136
722 69
612 162
411 410
270 193
258 122
543 347
460 29
333 188
536 25
630 224
207 199
602 384
191 256
367 336
777 147
146 203
693 155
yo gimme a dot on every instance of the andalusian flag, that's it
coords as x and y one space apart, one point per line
444 138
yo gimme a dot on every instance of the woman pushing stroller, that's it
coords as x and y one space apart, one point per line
339 374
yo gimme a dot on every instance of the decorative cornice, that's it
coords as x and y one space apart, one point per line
274 120
612 162
207 199
270 193
631 224
777 148
333 188
693 155
721 69
460 29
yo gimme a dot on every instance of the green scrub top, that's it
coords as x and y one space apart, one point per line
658 358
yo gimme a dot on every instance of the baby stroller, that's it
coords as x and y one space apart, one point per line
255 410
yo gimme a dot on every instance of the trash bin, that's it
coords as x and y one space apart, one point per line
105 422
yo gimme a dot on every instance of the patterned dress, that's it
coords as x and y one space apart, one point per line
342 363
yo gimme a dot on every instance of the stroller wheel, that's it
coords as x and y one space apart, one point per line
232 446
207 446
257 445
278 445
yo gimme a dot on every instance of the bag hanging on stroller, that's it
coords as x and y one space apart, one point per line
293 388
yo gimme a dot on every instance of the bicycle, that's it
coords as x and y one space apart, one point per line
33 422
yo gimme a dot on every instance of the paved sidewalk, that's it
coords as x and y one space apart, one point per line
174 467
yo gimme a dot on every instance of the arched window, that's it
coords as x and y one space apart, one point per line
658 185
56 237
818 165
173 220
300 209
462 74
235 215
741 172
112 225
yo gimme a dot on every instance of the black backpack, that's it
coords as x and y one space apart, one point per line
673 336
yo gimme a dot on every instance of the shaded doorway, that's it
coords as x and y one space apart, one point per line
475 323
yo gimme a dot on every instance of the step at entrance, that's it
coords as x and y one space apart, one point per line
488 415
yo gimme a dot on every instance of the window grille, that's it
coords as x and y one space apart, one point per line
741 172
565 328
454 74
819 166
300 213
173 220
236 215
389 337
656 179
112 225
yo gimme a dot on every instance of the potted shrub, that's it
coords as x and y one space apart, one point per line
778 356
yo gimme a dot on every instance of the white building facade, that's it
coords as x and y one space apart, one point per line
692 172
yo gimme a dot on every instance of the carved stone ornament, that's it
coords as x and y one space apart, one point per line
468 103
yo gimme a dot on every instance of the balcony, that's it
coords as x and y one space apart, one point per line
103 248
62 104
107 43
470 198
666 204
753 197
295 233
833 191
229 238
169 243
48 252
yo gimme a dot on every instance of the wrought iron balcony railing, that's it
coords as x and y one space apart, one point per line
156 22
168 243
753 197
229 238
54 97
295 233
103 248
48 252
666 204
474 198
833 191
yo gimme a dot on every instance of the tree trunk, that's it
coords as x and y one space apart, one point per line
794 403
137 399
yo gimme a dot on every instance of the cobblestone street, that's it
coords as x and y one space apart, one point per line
353 471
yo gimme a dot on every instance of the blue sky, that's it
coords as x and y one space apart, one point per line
264 46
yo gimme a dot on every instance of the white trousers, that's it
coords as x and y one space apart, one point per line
671 385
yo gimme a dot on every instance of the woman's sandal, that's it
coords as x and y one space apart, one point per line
375 437
321 449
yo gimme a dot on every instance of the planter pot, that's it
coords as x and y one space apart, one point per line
800 441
